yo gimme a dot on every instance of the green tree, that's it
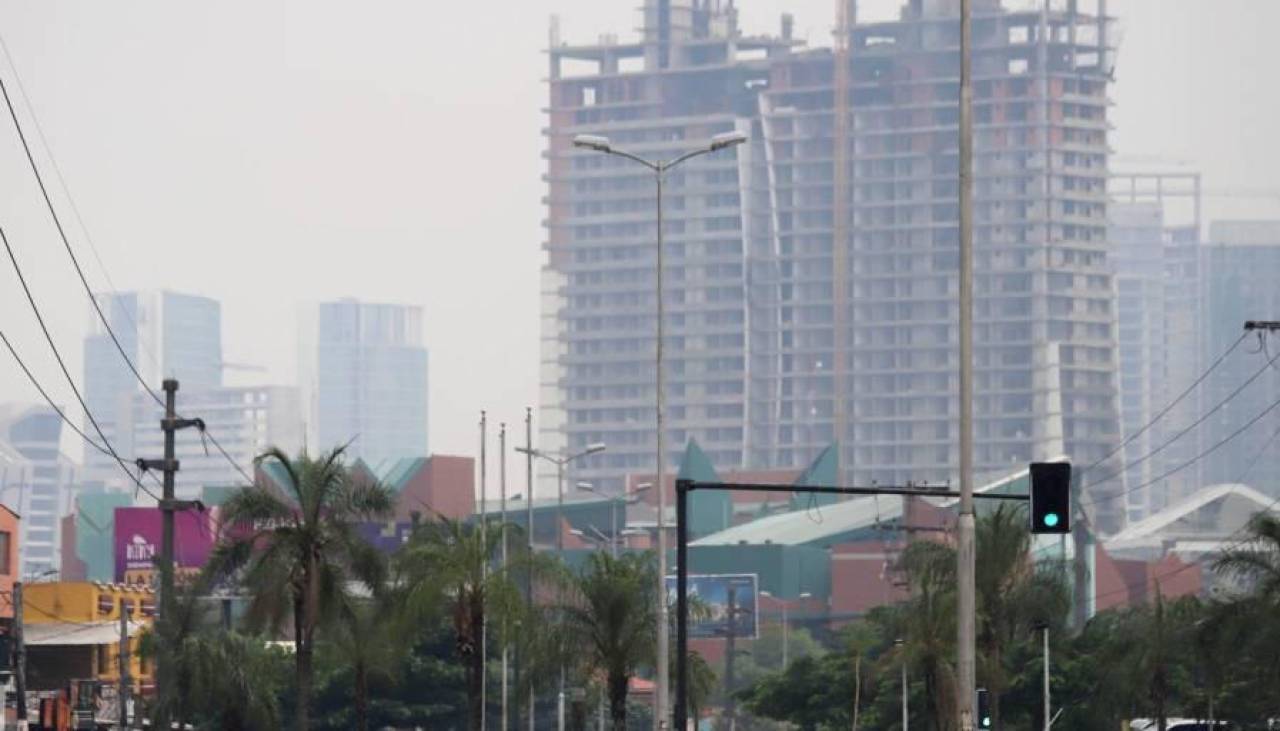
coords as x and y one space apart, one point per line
612 610
301 552
221 679
928 626
369 640
448 566
1013 593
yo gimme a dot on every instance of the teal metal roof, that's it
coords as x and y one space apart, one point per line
400 471
95 532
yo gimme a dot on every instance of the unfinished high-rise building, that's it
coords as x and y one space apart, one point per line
812 272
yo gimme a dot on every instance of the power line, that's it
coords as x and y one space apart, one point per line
1129 465
66 190
58 409
1274 404
1232 541
1171 404
63 365
31 377
62 234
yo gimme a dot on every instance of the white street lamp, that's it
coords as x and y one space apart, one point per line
597 143
560 462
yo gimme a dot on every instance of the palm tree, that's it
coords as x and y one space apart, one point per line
861 638
302 554
1247 613
701 683
612 610
1256 562
449 564
222 678
368 640
928 620
1013 594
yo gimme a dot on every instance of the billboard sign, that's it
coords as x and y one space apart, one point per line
709 605
137 542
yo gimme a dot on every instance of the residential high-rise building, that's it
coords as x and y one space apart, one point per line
812 275
37 481
363 373
166 335
1155 258
1241 266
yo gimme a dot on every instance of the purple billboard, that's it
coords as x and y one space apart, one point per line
137 542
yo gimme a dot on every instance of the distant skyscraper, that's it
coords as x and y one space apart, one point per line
1154 231
166 335
1241 269
363 372
37 481
784 268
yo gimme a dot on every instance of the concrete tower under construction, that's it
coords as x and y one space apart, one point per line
812 272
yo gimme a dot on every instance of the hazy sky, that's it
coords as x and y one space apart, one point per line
268 152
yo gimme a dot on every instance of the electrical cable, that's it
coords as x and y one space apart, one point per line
1232 541
66 191
57 222
1129 465
1258 417
31 377
75 261
63 365
1170 405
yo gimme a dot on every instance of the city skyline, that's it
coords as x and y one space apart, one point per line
137 238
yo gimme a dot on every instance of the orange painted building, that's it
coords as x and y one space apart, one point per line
72 632
8 560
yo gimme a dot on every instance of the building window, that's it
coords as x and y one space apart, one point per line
104 659
4 553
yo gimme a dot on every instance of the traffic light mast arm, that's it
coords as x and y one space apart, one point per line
911 490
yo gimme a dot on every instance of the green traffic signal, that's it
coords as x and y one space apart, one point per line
1051 519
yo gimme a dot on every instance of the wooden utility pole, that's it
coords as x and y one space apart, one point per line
168 466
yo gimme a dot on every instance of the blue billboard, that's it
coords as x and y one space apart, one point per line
709 605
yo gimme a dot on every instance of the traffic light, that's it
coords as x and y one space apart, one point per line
1050 497
984 708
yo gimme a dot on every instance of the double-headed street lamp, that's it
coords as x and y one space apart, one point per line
719 142
560 462
625 499
786 624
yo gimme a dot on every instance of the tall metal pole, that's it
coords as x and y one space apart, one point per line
484 628
661 705
19 658
1047 719
613 526
967 629
502 492
560 555
122 694
682 605
528 455
905 707
786 626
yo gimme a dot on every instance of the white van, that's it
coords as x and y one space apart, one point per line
1179 724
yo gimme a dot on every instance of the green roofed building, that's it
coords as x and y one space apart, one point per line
95 532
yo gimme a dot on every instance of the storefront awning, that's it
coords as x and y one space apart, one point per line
53 634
